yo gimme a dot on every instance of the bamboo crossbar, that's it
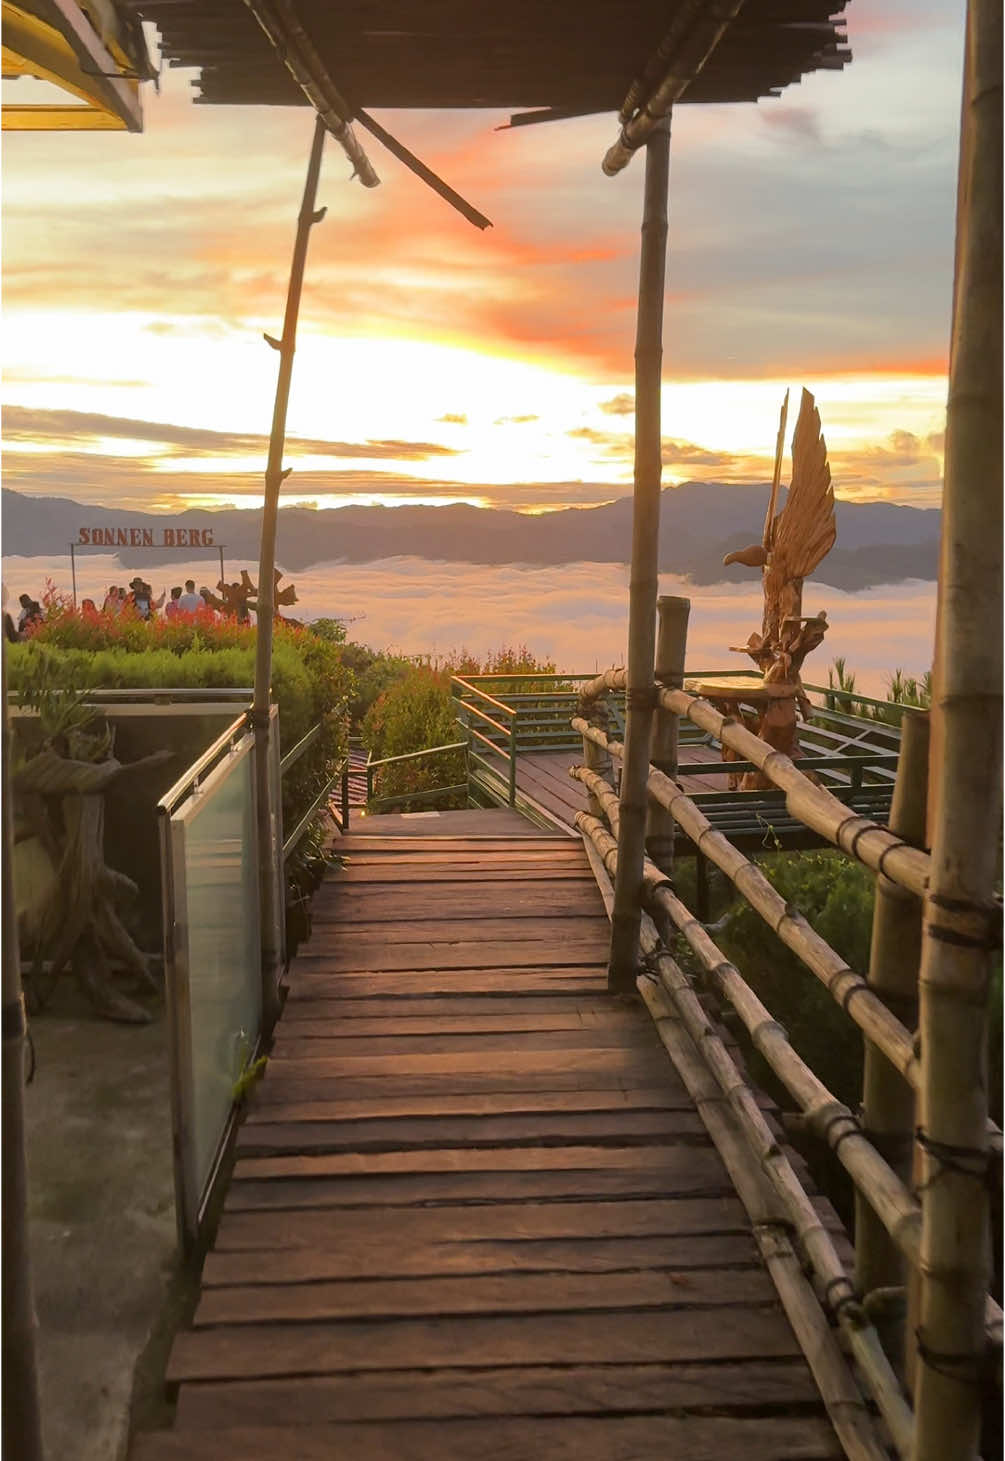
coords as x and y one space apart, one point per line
812 1236
847 988
829 1118
832 1121
816 807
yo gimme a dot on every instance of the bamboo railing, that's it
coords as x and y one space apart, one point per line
882 1189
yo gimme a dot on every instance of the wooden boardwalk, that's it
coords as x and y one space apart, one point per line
474 1213
543 777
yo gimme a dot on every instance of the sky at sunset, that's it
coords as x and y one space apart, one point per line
810 243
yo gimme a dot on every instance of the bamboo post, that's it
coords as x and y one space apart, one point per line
640 691
274 475
597 759
960 920
671 644
22 1426
887 1100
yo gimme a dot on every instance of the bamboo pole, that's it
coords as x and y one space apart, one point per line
832 1121
689 55
852 1424
846 987
816 807
645 561
671 647
888 1101
960 918
266 814
21 1420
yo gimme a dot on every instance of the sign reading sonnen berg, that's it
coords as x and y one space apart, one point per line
145 538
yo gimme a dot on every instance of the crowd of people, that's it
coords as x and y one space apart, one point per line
137 597
230 601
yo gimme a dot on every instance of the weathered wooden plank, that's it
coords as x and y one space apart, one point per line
485 1020
420 1189
518 859
532 1006
511 1293
576 980
396 877
564 949
629 1060
334 1134
484 900
232 1352
702 1162
669 1097
296 1086
361 1254
353 842
577 1390
603 1438
512 1222
450 1042
378 931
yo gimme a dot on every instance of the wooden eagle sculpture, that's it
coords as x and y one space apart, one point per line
796 539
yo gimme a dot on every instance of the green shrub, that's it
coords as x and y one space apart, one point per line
310 683
836 895
416 711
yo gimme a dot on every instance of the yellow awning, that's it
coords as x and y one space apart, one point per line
99 62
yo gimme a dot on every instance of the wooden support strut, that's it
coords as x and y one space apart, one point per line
645 564
274 475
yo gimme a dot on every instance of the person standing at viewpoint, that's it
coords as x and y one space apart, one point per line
190 602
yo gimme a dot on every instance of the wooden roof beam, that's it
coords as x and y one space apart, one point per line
293 46
690 46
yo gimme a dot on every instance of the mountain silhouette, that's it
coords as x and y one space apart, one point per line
877 542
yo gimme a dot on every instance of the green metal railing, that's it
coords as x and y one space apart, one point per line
425 796
505 716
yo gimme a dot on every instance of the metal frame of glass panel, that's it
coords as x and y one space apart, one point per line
202 1087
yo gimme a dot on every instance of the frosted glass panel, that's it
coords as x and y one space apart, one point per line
223 953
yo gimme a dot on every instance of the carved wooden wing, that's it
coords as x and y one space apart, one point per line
804 531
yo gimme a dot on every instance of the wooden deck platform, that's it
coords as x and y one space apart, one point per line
543 777
474 1213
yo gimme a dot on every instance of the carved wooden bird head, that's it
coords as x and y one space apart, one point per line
754 557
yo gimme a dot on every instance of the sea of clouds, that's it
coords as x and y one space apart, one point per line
577 614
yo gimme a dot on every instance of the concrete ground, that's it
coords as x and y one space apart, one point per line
101 1217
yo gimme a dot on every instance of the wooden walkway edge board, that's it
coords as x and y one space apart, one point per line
474 1211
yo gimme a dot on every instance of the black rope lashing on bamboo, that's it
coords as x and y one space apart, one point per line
967 1161
966 1369
965 923
852 1128
849 1301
